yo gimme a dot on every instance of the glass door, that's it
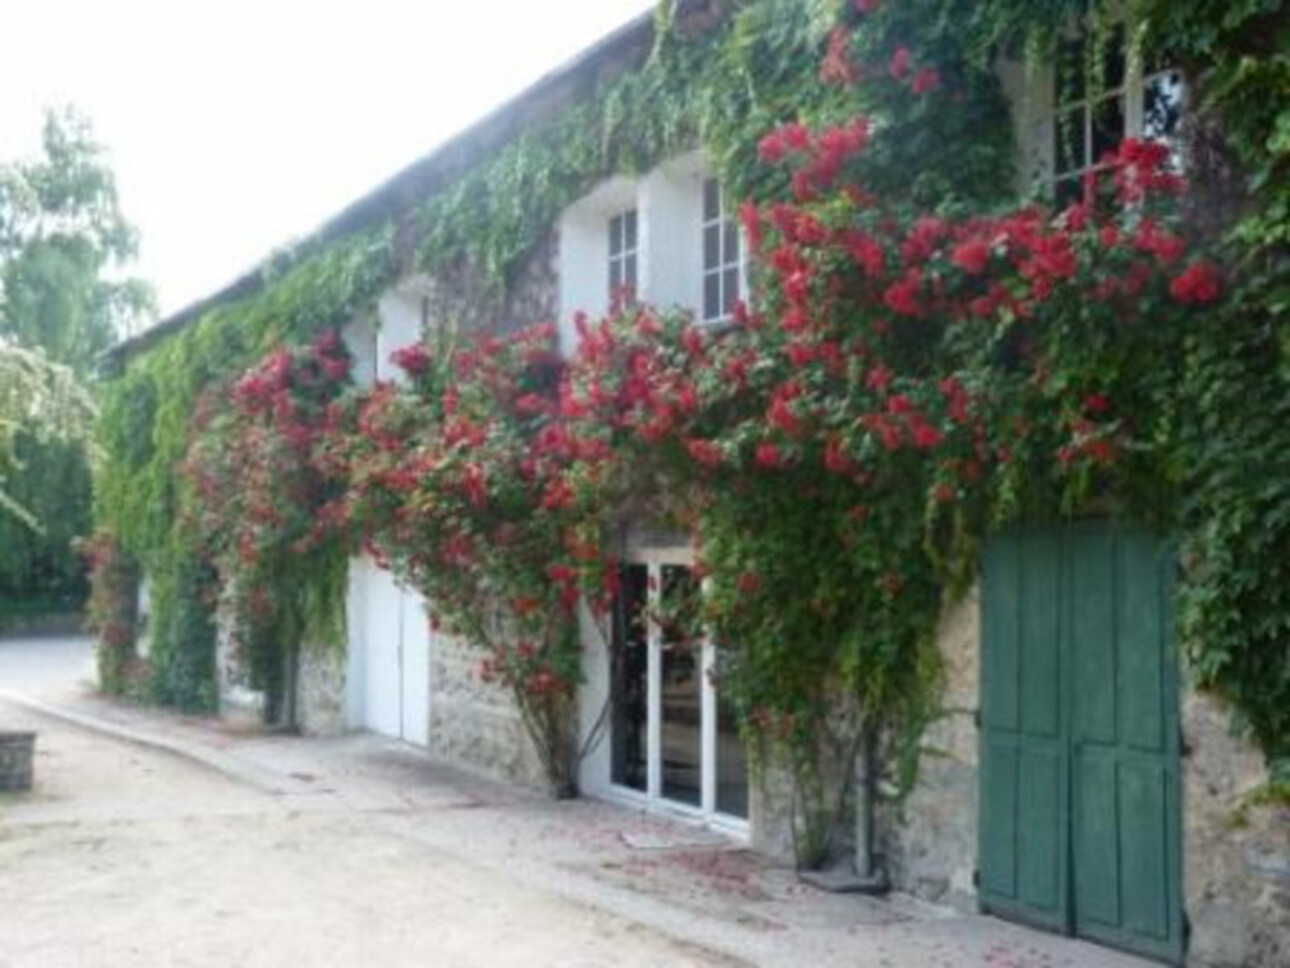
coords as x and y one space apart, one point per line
672 739
681 649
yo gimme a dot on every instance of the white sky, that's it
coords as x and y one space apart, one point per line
236 125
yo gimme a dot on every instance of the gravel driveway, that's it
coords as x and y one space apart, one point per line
127 856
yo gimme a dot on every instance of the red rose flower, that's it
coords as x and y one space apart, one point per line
972 256
899 65
768 455
927 79
705 452
1200 283
413 360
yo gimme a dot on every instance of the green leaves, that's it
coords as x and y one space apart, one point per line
62 236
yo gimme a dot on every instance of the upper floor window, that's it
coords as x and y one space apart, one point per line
722 259
1128 97
623 250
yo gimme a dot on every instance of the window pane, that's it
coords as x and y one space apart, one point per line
1162 104
1070 71
682 698
1108 126
629 277
629 232
712 295
729 242
1113 63
629 680
711 200
729 290
615 235
615 277
711 246
732 767
1068 146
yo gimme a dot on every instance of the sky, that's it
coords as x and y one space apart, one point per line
235 126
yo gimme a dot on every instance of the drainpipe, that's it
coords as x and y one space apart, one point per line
870 877
865 875
868 870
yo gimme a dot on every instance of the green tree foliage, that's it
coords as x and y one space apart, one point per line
63 242
41 403
62 239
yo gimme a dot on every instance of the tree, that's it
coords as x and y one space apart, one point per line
64 299
40 401
63 239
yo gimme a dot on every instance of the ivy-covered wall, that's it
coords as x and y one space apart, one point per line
722 75
709 73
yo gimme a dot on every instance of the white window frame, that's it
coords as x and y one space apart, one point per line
727 228
623 258
1033 93
655 560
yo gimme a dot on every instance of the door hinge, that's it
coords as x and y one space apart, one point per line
976 717
976 877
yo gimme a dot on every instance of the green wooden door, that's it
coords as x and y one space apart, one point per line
1079 742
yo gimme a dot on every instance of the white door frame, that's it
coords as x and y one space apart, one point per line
654 560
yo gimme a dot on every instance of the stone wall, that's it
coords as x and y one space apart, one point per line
463 299
770 810
932 848
929 844
320 709
237 700
475 724
1236 864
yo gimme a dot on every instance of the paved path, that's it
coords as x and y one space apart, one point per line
158 839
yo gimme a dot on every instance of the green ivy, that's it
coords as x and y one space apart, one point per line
723 88
720 87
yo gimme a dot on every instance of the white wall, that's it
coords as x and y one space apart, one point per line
399 312
584 255
360 339
672 219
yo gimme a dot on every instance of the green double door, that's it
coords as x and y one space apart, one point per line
1079 736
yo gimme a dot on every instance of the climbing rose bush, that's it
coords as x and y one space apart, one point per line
469 484
266 503
900 384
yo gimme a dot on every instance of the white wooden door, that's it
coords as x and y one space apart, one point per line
416 669
393 640
382 664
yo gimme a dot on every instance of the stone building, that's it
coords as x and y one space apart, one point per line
1078 782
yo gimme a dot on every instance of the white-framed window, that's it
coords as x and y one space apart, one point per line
1070 125
673 742
722 256
624 249
601 249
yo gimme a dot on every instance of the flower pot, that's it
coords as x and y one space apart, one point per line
16 749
